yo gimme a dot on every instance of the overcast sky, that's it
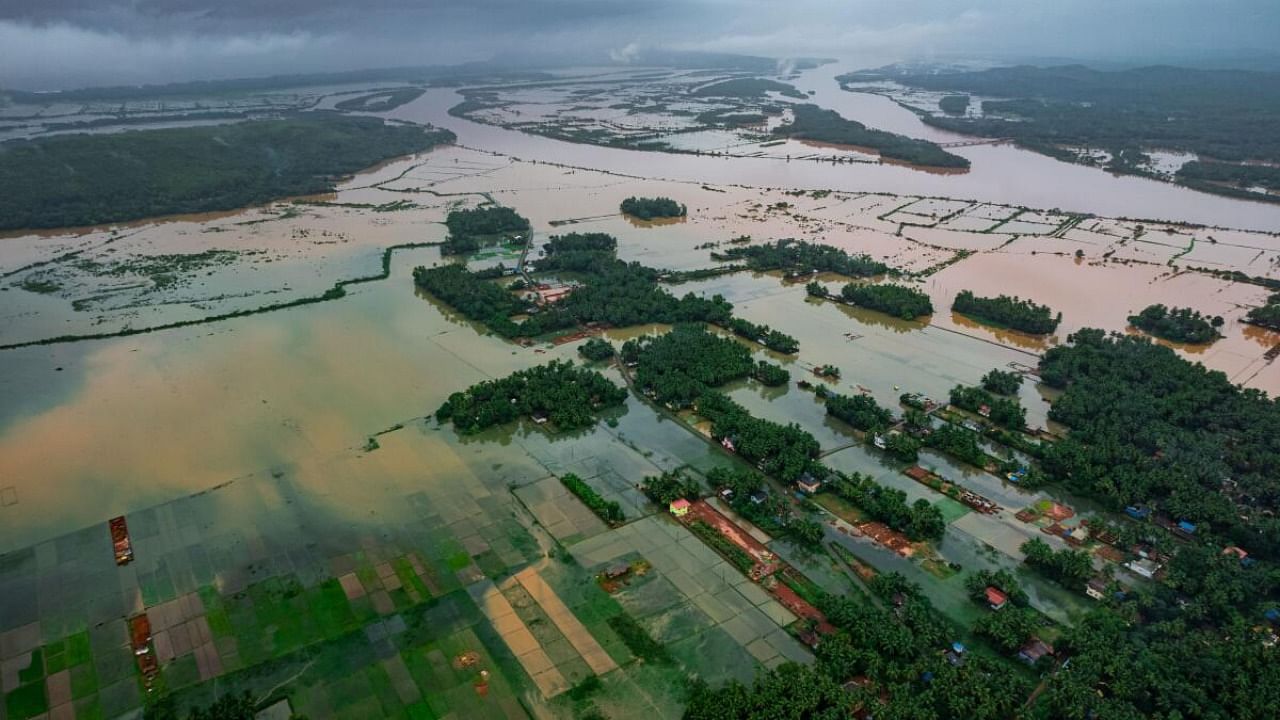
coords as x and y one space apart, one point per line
70 43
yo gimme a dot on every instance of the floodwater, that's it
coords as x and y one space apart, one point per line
1000 173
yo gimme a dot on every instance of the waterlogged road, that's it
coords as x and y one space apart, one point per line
1000 173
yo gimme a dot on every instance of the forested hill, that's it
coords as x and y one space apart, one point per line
73 180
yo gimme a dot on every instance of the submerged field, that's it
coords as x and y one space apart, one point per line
304 529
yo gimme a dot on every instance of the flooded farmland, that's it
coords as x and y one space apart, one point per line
294 450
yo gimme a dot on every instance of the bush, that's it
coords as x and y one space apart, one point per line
596 349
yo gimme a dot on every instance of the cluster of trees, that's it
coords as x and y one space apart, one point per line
1148 427
226 707
1002 410
607 510
775 340
814 123
976 585
1219 114
771 375
651 208
783 451
954 104
1267 316
471 228
860 411
678 367
86 179
897 659
578 252
1177 324
1069 568
775 515
957 442
919 520
596 349
467 293
566 395
1010 628
897 300
1006 311
670 486
1002 382
799 255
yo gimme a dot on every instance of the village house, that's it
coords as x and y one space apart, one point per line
1035 649
1096 588
996 599
809 484
679 507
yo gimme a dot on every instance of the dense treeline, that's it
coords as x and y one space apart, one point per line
1227 115
475 298
1002 411
771 375
957 442
568 396
380 101
918 521
1177 324
1006 311
1002 382
651 208
1148 427
578 252
814 123
607 510
1003 580
775 340
860 411
783 451
471 228
802 256
890 298
678 367
68 180
1069 568
670 486
1268 315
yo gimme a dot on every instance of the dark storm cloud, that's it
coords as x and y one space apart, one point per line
54 43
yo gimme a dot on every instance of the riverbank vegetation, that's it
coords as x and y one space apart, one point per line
747 88
1069 568
654 208
73 180
569 397
783 451
1004 311
473 228
1177 324
860 411
1223 116
954 104
899 301
380 101
811 122
801 256
918 521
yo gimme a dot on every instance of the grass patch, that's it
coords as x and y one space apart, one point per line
27 701
638 640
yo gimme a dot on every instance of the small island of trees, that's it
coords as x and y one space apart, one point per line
802 256
596 349
954 104
897 300
1002 382
470 229
1010 312
652 208
569 397
1002 411
1267 316
814 123
1177 324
